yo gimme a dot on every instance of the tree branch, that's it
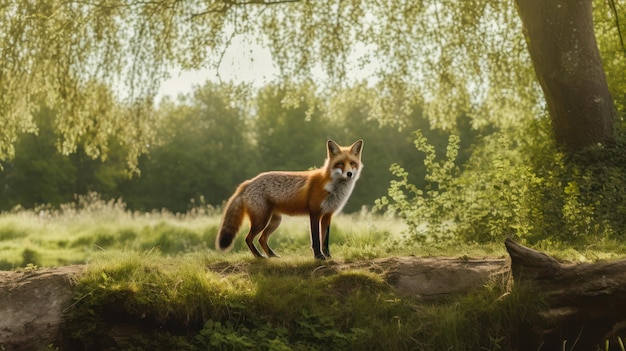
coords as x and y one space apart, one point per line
227 4
619 31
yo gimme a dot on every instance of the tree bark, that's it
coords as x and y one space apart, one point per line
564 53
586 302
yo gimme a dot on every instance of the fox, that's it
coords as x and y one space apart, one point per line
319 193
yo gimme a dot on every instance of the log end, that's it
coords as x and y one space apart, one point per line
528 264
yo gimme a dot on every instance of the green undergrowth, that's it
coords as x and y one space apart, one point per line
146 301
76 233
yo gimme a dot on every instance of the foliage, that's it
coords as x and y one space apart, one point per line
420 49
516 184
291 137
96 68
100 64
39 174
610 28
417 207
199 138
69 57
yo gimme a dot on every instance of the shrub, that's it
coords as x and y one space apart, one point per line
517 183
428 210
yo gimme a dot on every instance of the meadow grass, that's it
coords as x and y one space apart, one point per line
72 235
158 276
75 234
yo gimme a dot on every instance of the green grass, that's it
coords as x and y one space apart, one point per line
70 236
75 236
196 302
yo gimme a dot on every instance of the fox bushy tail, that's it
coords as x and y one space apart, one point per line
233 217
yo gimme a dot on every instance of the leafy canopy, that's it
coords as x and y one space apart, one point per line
99 63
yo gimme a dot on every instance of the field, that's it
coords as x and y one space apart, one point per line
154 281
76 234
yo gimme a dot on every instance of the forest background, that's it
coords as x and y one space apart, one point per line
206 143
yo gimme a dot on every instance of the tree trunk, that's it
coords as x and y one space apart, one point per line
564 52
586 302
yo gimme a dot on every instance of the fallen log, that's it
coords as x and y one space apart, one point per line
439 278
586 302
32 304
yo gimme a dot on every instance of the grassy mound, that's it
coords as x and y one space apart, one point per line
148 302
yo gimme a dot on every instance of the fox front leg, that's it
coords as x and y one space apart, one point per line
315 237
326 234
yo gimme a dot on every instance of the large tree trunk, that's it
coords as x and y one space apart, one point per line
586 303
564 52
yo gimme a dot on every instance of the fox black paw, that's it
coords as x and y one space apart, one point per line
320 257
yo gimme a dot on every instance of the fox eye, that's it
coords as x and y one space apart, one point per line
353 164
338 165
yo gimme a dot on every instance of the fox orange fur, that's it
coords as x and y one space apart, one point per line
319 193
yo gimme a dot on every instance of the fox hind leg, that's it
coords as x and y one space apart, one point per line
258 222
271 227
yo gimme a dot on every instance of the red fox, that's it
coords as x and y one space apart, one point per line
319 193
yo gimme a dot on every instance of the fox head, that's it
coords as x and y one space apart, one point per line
345 162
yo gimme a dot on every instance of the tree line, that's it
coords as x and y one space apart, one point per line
207 142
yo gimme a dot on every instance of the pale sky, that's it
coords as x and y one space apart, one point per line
251 63
243 62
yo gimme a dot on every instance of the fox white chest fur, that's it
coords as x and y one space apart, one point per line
340 188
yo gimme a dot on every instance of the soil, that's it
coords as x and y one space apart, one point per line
32 301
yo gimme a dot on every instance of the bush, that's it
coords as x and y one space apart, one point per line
428 210
516 184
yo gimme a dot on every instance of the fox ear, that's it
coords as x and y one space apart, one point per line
357 147
333 148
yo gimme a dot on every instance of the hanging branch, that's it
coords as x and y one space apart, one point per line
619 30
226 5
